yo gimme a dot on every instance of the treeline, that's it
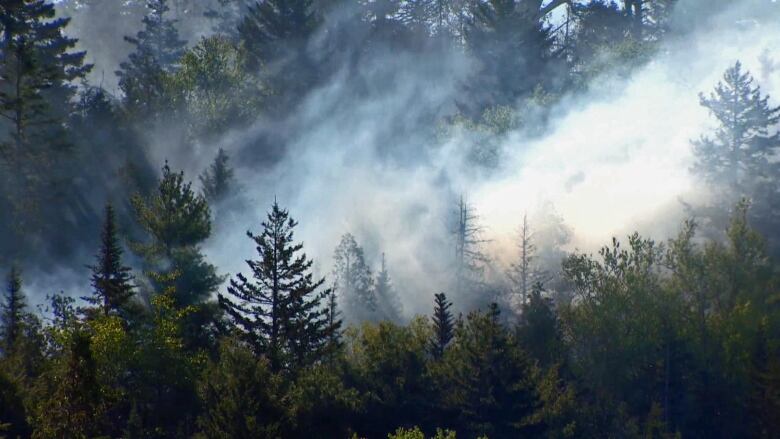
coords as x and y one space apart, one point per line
676 339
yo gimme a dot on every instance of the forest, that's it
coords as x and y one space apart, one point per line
400 219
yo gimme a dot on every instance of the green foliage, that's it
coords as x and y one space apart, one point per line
281 313
352 280
218 181
111 280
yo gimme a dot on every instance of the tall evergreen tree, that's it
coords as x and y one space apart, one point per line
740 159
281 313
158 49
353 281
539 331
177 220
13 310
387 301
443 325
111 280
37 70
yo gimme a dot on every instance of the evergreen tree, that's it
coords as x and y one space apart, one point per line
218 179
13 311
539 331
491 377
157 50
281 313
177 220
111 280
387 302
37 69
514 49
739 161
443 325
276 34
353 280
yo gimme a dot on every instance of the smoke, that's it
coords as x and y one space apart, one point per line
611 160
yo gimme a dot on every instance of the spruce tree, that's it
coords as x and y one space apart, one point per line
13 310
387 301
469 258
353 280
218 179
443 325
280 312
158 49
522 272
111 280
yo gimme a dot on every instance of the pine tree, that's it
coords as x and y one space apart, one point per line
177 220
158 49
741 150
443 325
111 280
276 34
281 312
539 331
388 304
353 280
218 179
13 311
739 160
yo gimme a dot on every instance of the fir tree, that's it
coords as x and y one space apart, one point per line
158 49
281 312
218 179
538 331
13 311
111 280
388 303
353 280
443 325
522 272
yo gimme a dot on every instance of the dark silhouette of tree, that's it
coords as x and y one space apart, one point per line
443 325
280 313
111 280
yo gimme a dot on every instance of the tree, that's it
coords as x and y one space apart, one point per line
539 331
388 304
353 280
111 280
276 34
157 50
469 259
523 273
491 377
218 179
738 160
514 49
177 220
37 68
281 313
13 311
443 325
